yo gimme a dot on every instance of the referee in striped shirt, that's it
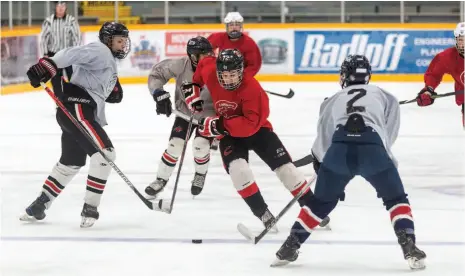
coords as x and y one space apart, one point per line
59 31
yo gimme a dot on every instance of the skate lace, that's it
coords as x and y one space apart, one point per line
158 184
198 181
267 216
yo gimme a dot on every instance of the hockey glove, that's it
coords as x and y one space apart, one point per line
425 98
191 92
162 98
116 96
212 127
43 71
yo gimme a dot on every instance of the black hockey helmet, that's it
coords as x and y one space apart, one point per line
230 68
355 69
197 46
108 31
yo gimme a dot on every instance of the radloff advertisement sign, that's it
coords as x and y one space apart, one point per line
389 52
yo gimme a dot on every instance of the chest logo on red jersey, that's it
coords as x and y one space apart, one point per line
225 108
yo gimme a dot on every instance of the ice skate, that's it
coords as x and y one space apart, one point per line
155 188
197 184
414 256
36 211
89 215
288 252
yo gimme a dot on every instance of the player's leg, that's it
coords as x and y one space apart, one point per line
99 169
235 156
73 157
170 157
271 150
201 149
333 176
377 168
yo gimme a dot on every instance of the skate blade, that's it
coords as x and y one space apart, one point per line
28 218
87 222
416 264
278 263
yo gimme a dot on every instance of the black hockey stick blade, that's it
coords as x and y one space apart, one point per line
289 95
147 202
304 161
255 239
434 97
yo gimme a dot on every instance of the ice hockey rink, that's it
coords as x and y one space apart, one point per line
130 239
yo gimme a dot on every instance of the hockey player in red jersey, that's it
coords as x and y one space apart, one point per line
449 61
233 38
241 124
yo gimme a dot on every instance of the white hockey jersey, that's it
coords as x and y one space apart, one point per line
379 109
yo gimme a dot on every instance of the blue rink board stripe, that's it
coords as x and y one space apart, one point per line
212 241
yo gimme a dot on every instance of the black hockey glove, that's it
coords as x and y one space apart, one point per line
116 96
162 98
191 92
43 71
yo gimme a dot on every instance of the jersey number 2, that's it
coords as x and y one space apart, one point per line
350 104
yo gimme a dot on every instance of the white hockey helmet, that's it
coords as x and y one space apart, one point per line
234 22
459 34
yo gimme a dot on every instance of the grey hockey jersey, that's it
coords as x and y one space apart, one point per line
94 70
381 112
181 70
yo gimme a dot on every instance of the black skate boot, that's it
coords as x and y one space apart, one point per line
156 187
36 211
288 252
269 221
197 183
414 256
89 215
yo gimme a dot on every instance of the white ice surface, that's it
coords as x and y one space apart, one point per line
129 239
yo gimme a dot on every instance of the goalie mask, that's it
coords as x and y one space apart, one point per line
116 37
230 68
355 69
234 22
459 34
197 46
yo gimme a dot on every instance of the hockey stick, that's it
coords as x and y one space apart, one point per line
181 161
94 144
184 116
289 95
434 97
304 161
255 239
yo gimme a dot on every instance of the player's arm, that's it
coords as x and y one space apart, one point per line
214 40
160 74
88 56
253 59
249 123
392 115
433 77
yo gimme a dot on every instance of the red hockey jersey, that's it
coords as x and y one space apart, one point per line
245 109
449 62
245 44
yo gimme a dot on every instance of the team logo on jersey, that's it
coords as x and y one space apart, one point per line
145 55
226 108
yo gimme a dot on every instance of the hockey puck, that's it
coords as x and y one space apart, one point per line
196 241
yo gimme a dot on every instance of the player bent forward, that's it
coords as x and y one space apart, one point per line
242 109
182 69
94 82
356 129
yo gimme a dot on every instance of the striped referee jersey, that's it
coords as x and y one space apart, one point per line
59 33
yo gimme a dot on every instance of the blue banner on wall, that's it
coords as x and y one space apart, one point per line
389 52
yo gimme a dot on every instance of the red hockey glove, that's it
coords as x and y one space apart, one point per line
212 127
425 98
191 92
